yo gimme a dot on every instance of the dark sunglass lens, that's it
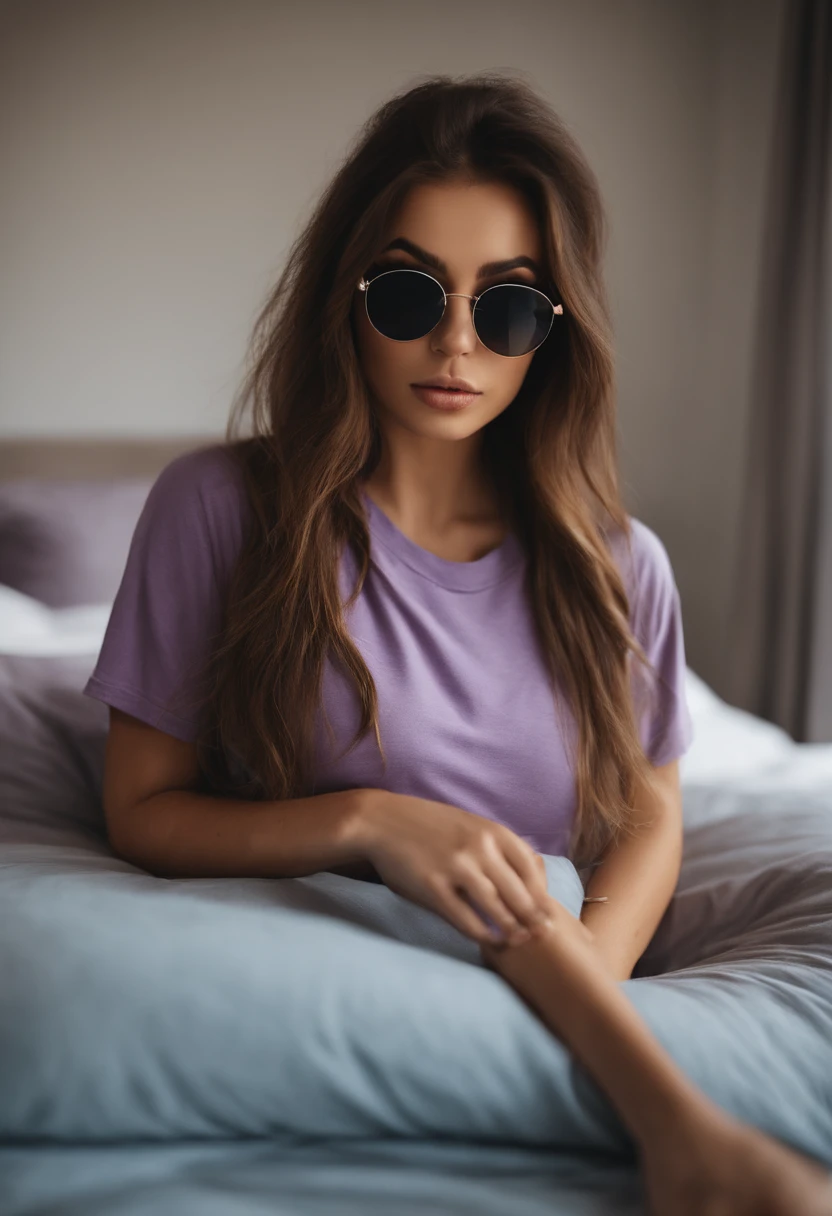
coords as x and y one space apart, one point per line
404 304
512 320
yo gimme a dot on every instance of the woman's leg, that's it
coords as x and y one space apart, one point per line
687 1144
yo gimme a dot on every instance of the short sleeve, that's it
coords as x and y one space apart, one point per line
665 722
168 609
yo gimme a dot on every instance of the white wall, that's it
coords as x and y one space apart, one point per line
159 157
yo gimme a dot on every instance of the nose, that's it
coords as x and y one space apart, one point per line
455 333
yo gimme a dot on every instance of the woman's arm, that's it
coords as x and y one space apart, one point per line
158 820
694 1155
558 973
638 876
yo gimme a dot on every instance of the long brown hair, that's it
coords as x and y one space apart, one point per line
551 454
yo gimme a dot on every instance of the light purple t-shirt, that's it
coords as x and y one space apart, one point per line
466 713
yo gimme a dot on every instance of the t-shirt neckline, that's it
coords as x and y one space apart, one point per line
491 568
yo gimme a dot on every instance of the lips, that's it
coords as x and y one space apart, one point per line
443 398
447 384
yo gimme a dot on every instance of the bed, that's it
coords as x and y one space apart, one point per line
320 1045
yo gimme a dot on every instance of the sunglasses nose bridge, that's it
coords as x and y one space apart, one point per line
444 318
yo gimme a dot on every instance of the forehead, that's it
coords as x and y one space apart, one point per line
468 223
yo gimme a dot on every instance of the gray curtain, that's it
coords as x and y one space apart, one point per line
780 640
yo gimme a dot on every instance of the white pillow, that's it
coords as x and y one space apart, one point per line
29 627
729 744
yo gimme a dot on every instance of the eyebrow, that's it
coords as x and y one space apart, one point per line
487 268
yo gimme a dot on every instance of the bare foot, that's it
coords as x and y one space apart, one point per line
718 1166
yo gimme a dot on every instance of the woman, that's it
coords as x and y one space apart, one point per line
432 388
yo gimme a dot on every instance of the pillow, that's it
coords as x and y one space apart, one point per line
52 745
65 542
151 1008
29 627
730 744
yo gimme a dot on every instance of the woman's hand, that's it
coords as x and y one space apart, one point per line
712 1163
560 921
455 863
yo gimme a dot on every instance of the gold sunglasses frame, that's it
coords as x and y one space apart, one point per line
363 284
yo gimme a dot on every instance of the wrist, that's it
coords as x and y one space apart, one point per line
361 829
674 1117
692 1114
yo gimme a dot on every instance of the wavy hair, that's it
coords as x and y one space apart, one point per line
314 437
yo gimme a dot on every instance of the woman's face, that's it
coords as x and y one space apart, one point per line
465 225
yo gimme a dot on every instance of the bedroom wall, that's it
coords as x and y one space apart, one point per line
159 158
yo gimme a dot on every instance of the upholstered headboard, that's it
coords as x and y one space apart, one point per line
68 509
92 459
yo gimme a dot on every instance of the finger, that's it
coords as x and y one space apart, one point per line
462 916
531 868
526 907
519 874
482 890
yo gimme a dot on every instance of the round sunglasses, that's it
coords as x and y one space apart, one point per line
509 319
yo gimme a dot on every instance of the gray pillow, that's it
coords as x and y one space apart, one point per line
65 542
53 743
